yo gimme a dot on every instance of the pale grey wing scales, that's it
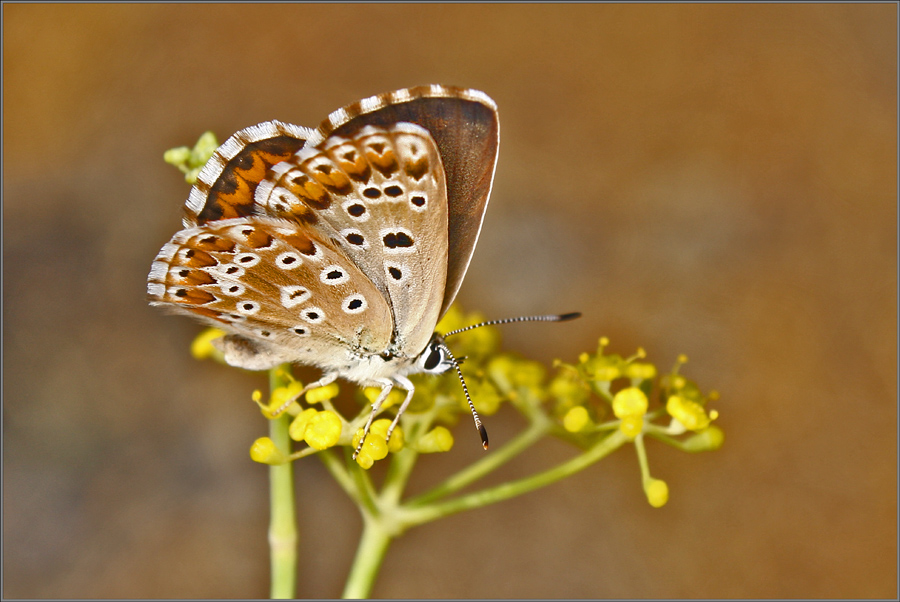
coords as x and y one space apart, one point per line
278 285
381 197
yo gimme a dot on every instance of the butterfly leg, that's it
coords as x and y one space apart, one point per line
326 379
410 389
386 387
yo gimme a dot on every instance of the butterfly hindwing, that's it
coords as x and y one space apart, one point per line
278 284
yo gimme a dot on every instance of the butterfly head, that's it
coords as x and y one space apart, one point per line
435 358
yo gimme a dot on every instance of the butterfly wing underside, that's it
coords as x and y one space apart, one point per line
391 276
465 126
380 197
226 184
280 286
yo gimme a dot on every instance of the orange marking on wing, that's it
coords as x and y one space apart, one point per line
196 258
193 296
209 313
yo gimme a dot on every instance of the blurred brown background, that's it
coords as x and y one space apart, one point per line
715 180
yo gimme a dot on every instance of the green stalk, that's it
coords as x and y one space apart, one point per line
371 551
423 514
485 465
282 522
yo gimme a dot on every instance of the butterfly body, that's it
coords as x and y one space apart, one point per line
339 247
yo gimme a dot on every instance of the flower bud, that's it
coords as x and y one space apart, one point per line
323 430
709 439
373 448
297 429
320 394
364 460
438 439
640 370
380 428
282 395
631 426
576 419
264 451
689 413
629 402
202 347
657 492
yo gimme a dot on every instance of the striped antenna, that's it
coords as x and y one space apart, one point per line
552 318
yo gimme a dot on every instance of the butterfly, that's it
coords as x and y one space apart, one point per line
339 247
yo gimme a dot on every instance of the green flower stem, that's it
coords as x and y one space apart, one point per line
422 514
371 551
338 470
282 522
486 465
660 435
363 483
642 457
398 475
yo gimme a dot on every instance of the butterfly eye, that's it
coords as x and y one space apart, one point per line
435 362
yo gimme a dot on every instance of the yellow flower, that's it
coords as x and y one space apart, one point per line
297 429
602 367
629 402
202 347
281 396
191 161
364 460
657 492
373 448
689 413
320 394
438 439
708 439
640 370
380 428
568 390
395 397
576 419
485 397
631 426
323 430
264 451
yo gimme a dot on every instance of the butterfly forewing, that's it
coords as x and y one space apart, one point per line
380 197
466 129
280 285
